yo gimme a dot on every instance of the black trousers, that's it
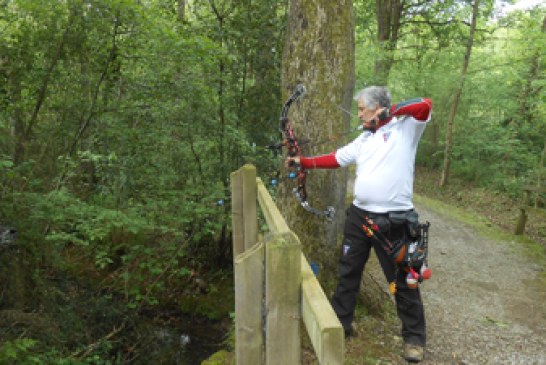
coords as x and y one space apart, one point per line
355 252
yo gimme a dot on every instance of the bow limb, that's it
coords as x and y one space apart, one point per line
291 142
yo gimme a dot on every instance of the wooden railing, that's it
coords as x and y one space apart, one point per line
275 286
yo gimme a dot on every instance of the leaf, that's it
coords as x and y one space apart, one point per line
496 322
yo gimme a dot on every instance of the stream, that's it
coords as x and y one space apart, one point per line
179 340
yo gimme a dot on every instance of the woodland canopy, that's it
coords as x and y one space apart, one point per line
120 122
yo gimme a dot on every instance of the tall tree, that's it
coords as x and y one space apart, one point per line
529 90
388 15
182 9
457 97
319 52
25 121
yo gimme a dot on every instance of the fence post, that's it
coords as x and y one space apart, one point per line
282 299
249 280
243 209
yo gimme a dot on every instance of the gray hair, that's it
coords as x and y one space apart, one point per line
374 96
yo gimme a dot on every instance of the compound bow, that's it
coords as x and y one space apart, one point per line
293 147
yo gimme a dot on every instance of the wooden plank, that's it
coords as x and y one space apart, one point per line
250 221
273 216
243 209
249 281
321 322
282 299
237 226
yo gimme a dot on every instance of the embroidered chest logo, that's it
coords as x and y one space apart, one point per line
386 136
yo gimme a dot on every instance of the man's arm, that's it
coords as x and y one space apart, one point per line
320 162
418 108
316 162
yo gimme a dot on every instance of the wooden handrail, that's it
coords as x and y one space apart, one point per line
273 216
291 292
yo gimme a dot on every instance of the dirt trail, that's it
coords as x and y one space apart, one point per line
485 303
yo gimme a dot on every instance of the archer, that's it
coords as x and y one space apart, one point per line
382 213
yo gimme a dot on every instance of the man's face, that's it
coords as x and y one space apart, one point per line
366 115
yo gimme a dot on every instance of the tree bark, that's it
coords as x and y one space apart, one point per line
181 10
458 92
388 15
21 130
528 90
319 52
91 113
17 122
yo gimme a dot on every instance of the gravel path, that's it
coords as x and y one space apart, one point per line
485 303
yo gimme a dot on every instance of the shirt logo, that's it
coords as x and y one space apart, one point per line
386 136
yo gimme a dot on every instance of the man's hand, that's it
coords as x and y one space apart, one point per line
291 161
380 114
371 123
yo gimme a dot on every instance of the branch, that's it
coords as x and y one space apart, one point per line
84 126
111 56
45 84
434 24
96 344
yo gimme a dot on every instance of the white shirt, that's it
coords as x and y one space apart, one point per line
385 163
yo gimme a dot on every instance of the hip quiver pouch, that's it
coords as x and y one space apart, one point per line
411 249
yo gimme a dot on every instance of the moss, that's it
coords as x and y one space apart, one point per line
220 358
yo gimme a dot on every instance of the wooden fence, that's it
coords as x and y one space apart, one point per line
275 286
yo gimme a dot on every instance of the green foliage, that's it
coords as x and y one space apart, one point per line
120 123
11 352
24 352
119 126
500 123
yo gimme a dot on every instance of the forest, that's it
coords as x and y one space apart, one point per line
121 121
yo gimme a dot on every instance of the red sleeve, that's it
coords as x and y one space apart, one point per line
320 162
418 108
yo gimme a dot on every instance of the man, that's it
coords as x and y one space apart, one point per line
384 155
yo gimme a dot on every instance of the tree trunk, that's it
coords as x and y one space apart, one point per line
22 131
458 92
540 175
221 14
181 10
87 121
388 23
319 53
528 91
47 77
17 122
